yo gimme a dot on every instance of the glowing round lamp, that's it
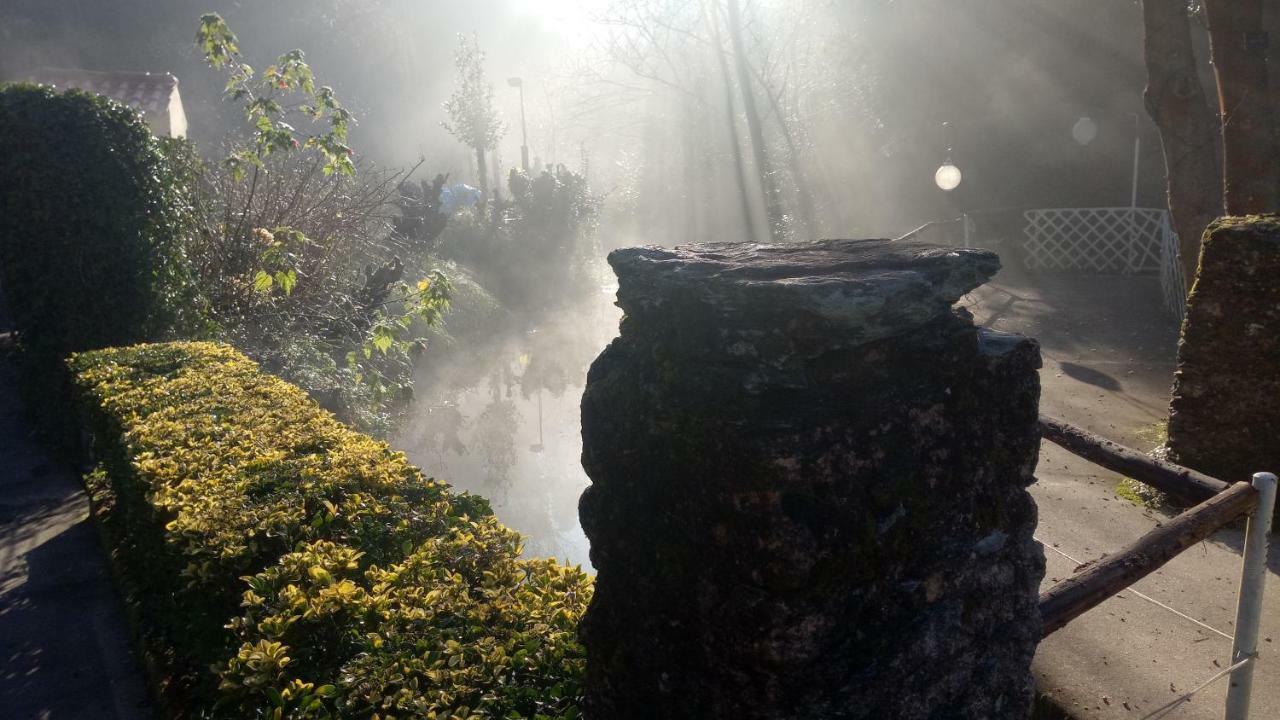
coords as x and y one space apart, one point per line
947 177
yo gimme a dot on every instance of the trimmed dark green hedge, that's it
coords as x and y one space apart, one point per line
281 565
91 220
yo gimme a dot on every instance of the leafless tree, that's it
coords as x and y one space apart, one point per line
746 86
711 18
472 117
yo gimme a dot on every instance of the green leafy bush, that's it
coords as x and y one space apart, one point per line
91 223
311 567
537 250
292 250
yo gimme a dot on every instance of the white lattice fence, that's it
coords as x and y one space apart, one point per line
1099 239
1115 239
1171 279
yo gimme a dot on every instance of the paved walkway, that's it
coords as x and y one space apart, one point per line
1108 363
63 635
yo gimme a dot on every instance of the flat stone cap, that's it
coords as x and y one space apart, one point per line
1262 227
868 289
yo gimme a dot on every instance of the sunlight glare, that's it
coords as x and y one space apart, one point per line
567 18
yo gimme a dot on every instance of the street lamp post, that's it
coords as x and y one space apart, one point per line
516 82
947 177
551 114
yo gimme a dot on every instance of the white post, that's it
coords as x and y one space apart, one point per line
1137 153
1133 195
1249 608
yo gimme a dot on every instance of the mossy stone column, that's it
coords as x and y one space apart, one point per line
1224 418
808 492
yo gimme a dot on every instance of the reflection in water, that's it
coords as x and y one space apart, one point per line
502 421
494 439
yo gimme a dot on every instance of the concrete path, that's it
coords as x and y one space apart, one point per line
64 640
1108 362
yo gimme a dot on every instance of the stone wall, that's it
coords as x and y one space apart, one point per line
808 491
1224 418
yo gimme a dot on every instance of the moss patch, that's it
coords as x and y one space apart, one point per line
1154 436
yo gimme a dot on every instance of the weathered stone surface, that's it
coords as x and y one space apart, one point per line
1225 410
808 488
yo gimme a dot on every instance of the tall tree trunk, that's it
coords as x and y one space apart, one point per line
804 190
768 183
1189 132
1238 46
1271 23
706 168
688 150
497 179
748 215
482 169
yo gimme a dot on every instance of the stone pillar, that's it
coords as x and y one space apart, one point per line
808 492
1224 418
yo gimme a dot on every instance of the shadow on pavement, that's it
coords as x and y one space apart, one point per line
1088 375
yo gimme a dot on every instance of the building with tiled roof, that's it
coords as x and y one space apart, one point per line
155 95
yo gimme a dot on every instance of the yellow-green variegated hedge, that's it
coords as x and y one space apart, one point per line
281 565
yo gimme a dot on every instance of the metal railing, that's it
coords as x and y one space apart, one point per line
958 232
1219 504
1172 281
